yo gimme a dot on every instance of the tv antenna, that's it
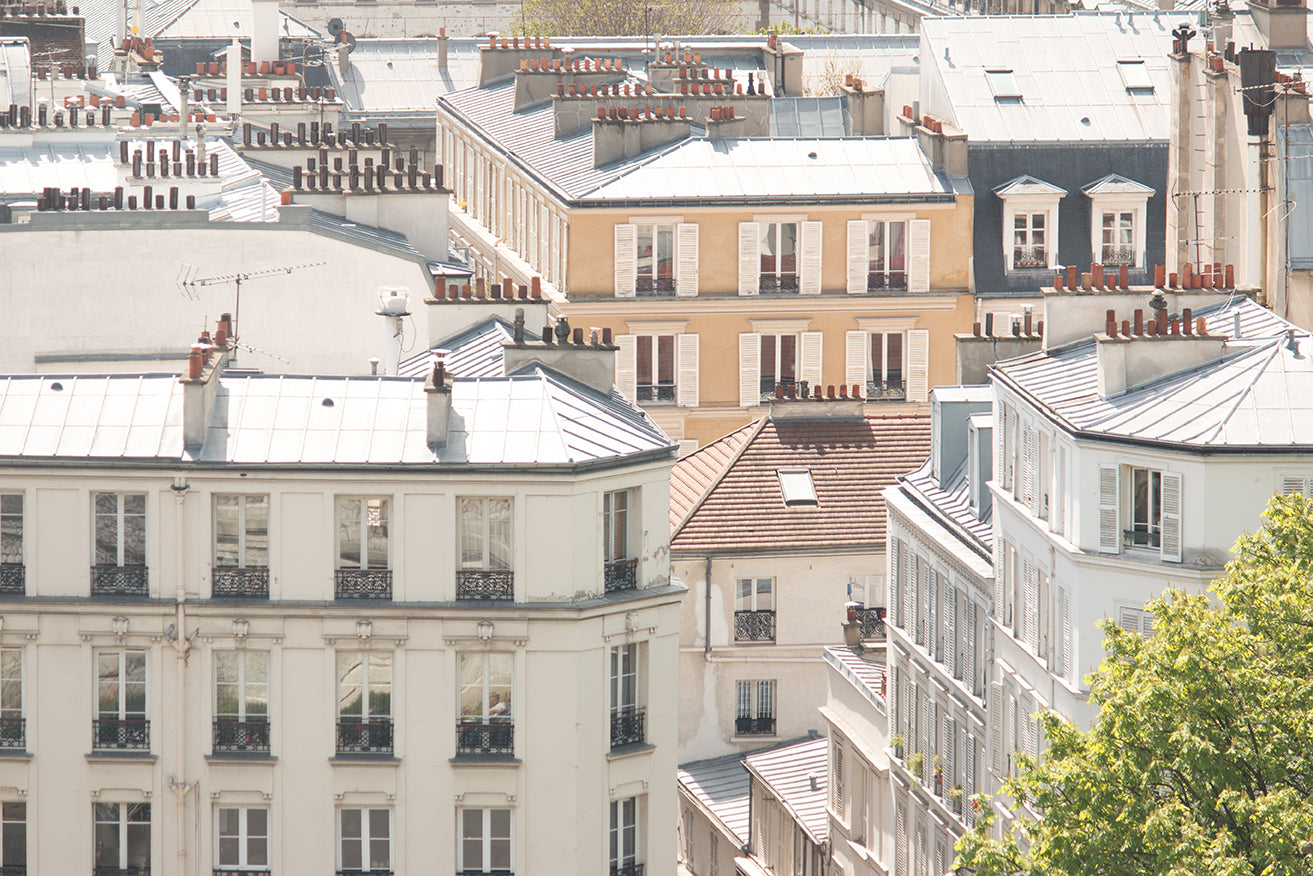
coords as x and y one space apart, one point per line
188 283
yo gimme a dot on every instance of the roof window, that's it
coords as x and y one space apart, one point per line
1004 85
1135 76
797 487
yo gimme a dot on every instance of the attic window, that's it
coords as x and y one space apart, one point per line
796 486
1004 85
1135 76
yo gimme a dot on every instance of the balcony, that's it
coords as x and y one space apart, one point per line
485 584
13 735
627 727
745 725
890 390
228 582
656 393
650 287
232 736
240 871
872 624
620 575
626 870
494 737
13 582
120 734
358 737
754 626
485 873
778 283
363 584
1029 258
879 281
374 872
119 581
13 870
121 871
1118 255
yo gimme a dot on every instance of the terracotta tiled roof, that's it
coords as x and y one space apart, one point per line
850 462
695 473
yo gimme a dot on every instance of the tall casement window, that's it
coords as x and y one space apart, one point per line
242 838
13 837
779 257
620 565
627 715
887 361
13 731
487 723
658 367
13 576
886 379
655 258
485 842
363 570
754 610
1118 238
1029 240
122 839
778 358
120 549
779 362
626 858
485 549
754 708
655 364
1119 213
364 702
1030 223
241 546
241 701
364 842
121 721
886 255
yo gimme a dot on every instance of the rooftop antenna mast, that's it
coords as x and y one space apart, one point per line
188 283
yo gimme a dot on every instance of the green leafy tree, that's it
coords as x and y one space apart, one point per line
1201 758
656 18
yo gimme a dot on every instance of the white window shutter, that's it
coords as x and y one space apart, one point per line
1000 578
1109 510
996 727
856 347
811 359
969 655
858 258
810 281
749 369
932 615
626 366
947 759
918 274
1032 604
749 258
950 630
918 365
1064 653
968 776
1000 442
1292 485
686 387
1171 516
1030 470
1129 618
686 259
626 260
914 617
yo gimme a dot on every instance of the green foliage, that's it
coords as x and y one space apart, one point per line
1201 758
915 762
785 28
655 18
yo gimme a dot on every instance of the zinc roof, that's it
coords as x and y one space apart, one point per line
217 19
867 675
15 72
1066 69
721 784
402 77
474 352
850 461
536 417
788 772
809 117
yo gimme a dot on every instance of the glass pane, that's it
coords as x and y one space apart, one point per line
644 357
666 359
348 533
257 822
471 824
875 246
107 844
107 529
665 253
257 683
139 844
499 533
230 851
13 845
378 534
471 533
788 353
135 504
789 248
500 852
767 359
257 852
229 822
351 823
743 594
765 601
380 688
471 685
350 677
351 854
895 358
134 684
645 250
379 819
226 536
769 247
379 857
11 528
897 246
134 539
257 531
107 692
499 685
501 824
11 503
472 849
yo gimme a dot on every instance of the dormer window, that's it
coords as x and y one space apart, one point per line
1119 216
797 488
1030 223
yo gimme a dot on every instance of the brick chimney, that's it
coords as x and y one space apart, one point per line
437 389
865 107
630 131
201 380
1157 350
588 359
502 56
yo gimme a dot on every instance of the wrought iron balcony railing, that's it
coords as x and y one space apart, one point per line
654 286
891 390
13 582
248 583
360 737
758 726
363 584
121 871
778 283
872 621
13 734
495 736
374 872
754 626
656 393
893 280
627 727
491 872
1140 538
621 575
235 736
13 870
485 584
119 581
241 871
120 734
626 870
1024 257
1118 255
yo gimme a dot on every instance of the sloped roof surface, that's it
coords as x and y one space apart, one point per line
788 771
474 352
402 77
15 72
210 19
809 117
867 674
695 473
850 460
721 785
1065 68
953 501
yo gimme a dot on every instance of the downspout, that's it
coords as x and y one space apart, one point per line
706 585
182 648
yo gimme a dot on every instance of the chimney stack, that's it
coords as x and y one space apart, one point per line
201 381
438 393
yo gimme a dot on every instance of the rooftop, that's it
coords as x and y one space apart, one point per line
796 776
864 673
720 784
15 72
474 352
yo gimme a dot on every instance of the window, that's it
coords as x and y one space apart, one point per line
796 487
1150 501
886 376
485 841
779 257
364 702
12 730
1135 76
1030 223
1135 620
656 369
626 714
1028 242
754 609
241 701
121 700
624 837
1119 212
1118 246
12 575
886 254
1146 508
122 838
485 549
362 549
486 724
783 357
754 713
243 839
779 362
13 837
617 534
241 546
120 548
656 259
364 841
1003 85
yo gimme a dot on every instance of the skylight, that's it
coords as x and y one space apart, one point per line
1135 76
1003 84
796 486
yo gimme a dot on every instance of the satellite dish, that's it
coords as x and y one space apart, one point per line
334 26
348 40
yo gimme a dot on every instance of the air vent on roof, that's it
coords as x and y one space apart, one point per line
796 486
1135 76
1004 85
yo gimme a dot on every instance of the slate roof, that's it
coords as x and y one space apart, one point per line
788 771
474 352
953 501
850 462
1258 397
721 784
535 417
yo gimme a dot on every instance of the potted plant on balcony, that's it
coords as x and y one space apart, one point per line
897 743
914 763
939 778
955 799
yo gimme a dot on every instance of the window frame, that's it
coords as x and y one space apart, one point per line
887 273
5 823
1122 229
367 686
120 535
486 683
626 679
623 529
364 525
485 839
889 388
757 699
21 680
244 836
1134 202
772 231
753 596
655 231
1153 528
621 853
1030 205
777 377
122 828
656 391
242 684
1024 234
366 838
485 533
121 712
13 528
243 530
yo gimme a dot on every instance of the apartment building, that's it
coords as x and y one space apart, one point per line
305 624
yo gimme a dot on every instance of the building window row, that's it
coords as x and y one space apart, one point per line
938 614
935 741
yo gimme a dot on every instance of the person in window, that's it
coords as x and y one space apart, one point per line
497 708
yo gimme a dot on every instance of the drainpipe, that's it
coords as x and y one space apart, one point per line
706 585
182 648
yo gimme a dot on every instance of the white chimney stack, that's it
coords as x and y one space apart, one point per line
234 107
264 31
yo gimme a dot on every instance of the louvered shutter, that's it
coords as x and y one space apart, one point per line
1109 510
858 257
905 586
686 388
1171 516
749 258
1011 737
1030 608
996 715
918 365
626 260
918 275
1292 485
1029 726
895 712
1064 609
686 260
856 347
1000 579
913 718
969 777
836 749
811 359
932 615
900 852
969 664
918 597
1030 470
928 731
626 366
1000 446
950 630
809 281
947 759
749 369
1129 619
